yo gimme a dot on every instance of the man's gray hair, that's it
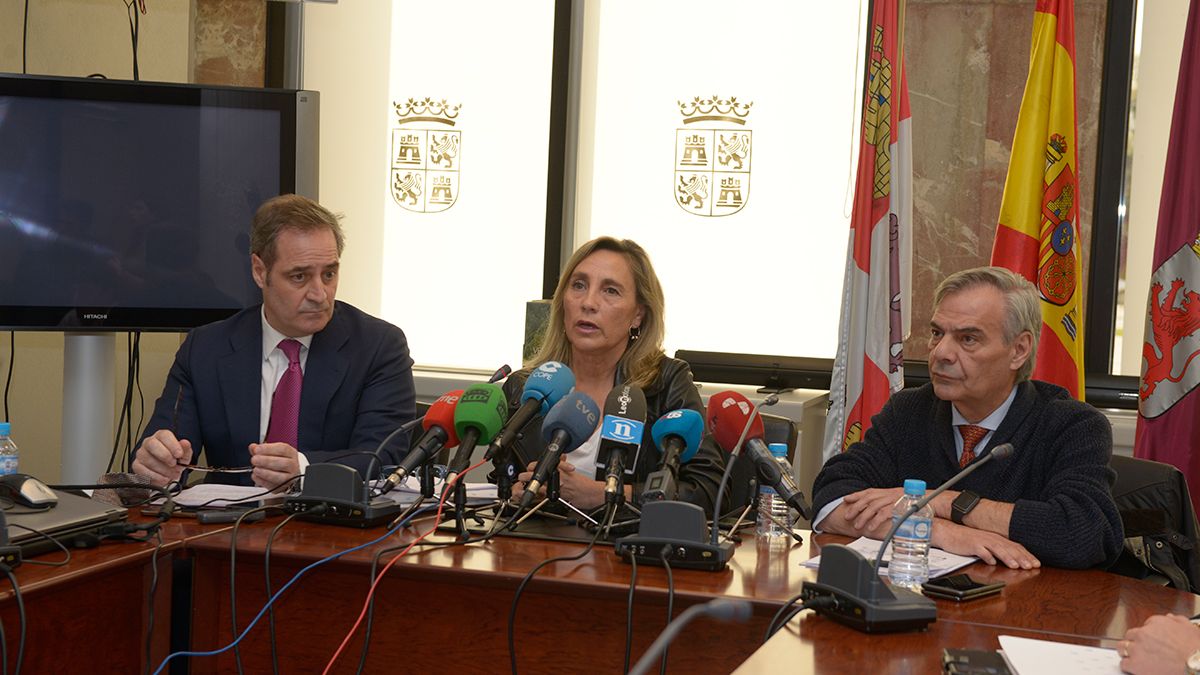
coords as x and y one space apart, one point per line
1022 311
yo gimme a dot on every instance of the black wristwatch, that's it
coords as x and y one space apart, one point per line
963 504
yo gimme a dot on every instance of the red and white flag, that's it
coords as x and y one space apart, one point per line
875 295
1168 428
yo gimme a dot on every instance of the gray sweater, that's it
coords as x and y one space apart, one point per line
1058 476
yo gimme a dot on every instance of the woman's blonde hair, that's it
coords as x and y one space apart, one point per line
641 359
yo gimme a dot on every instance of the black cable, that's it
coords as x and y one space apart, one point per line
512 613
137 379
787 612
267 575
237 654
24 53
153 592
43 535
126 402
134 26
629 614
3 650
21 614
12 357
666 550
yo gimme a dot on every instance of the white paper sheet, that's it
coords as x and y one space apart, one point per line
940 562
1039 657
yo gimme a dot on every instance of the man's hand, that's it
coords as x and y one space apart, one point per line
1161 645
274 464
867 510
990 547
160 458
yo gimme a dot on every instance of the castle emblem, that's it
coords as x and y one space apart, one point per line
712 156
426 155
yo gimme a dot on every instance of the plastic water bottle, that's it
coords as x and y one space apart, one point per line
909 567
771 504
8 450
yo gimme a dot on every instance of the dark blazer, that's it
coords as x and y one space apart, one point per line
1057 478
358 388
673 389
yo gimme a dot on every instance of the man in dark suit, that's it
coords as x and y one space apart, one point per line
1050 502
301 378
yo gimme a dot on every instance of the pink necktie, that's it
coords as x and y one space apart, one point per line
285 404
971 436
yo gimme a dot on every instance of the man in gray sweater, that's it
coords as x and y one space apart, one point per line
1050 502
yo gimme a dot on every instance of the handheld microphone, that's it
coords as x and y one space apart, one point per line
439 433
677 435
861 599
501 373
544 388
620 435
480 413
727 412
568 424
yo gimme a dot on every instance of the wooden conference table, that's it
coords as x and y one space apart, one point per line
449 607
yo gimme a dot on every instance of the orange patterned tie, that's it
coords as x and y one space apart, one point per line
971 436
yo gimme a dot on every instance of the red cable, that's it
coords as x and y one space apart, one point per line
437 520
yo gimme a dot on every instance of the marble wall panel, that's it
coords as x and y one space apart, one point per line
230 42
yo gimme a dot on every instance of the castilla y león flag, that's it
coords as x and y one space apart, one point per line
1168 428
875 295
1038 234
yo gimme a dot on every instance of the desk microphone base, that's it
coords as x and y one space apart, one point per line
343 496
680 528
861 599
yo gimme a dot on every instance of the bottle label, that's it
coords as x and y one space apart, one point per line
914 528
8 465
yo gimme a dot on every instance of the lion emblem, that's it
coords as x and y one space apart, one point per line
694 190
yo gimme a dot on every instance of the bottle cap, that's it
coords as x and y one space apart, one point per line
778 450
5 428
914 487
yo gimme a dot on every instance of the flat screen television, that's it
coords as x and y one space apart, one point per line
127 205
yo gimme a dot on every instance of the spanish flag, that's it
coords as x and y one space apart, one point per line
875 294
1038 234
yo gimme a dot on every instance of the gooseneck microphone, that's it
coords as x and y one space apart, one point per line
568 424
620 437
677 435
501 373
439 433
861 599
544 388
481 412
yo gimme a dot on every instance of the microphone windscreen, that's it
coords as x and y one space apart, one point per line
577 415
441 414
1003 451
686 424
483 407
548 383
727 414
628 401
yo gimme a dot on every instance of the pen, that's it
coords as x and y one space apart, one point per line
175 412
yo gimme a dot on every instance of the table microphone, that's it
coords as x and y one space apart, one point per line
861 599
677 435
544 388
439 433
566 427
720 609
621 434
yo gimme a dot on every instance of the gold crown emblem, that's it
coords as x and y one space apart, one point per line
426 110
714 109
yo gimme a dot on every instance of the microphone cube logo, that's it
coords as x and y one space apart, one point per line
426 155
712 156
622 430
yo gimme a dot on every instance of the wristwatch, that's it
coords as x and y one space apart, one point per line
1193 663
963 504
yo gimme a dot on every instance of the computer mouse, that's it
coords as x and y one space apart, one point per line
27 491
